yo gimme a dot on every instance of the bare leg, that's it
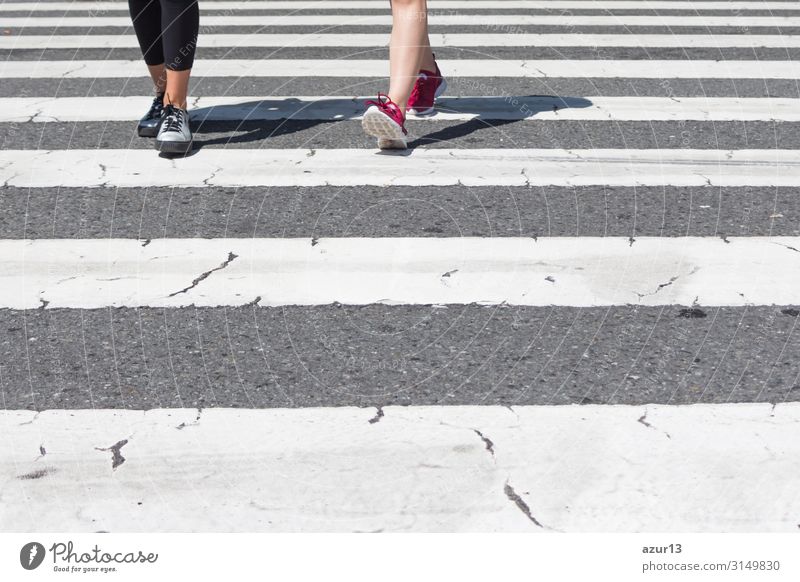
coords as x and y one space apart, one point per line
177 88
426 62
409 39
159 76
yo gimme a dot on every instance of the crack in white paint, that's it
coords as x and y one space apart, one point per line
203 276
643 421
636 472
590 271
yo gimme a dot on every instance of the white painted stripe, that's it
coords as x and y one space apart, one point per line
432 5
437 40
378 68
507 20
576 468
249 108
421 167
581 272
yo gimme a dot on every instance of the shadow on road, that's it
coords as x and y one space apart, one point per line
258 120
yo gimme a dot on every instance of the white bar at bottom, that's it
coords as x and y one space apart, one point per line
400 558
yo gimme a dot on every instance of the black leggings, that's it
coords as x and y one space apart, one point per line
167 31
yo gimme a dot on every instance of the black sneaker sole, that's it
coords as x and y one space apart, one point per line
147 131
174 147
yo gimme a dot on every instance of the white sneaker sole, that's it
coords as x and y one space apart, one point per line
390 135
174 147
420 112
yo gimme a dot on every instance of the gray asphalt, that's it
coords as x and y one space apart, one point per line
377 355
471 134
350 86
400 211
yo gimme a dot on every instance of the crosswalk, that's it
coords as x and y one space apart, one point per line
537 108
570 306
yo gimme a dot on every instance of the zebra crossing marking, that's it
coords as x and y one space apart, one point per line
465 40
275 107
510 20
563 271
576 468
422 167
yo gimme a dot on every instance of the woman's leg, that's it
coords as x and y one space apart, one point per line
146 18
177 88
180 24
427 61
407 47
385 118
159 75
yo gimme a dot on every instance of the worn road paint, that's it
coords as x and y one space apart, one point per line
419 167
725 467
333 20
581 272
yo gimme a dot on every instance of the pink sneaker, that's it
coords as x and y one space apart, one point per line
430 85
385 121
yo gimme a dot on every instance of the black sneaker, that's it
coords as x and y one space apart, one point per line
148 125
174 135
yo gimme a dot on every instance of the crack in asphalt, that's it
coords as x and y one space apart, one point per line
486 441
253 303
520 503
660 287
35 416
791 248
643 420
37 474
195 422
203 276
213 175
378 415
116 456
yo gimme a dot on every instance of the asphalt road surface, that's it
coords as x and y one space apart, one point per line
294 388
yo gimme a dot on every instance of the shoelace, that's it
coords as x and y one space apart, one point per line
382 102
157 107
387 105
173 120
418 87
